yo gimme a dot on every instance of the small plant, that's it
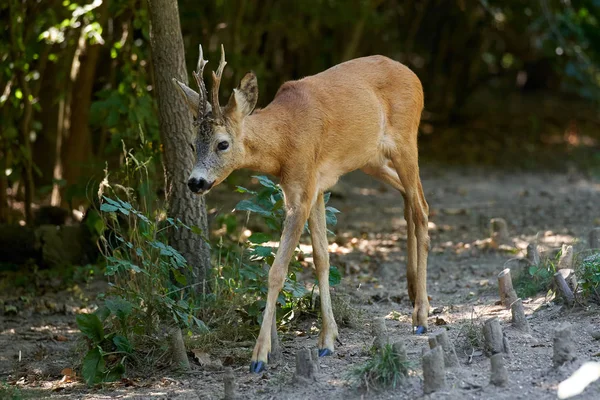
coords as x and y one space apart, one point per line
10 392
589 276
538 279
383 370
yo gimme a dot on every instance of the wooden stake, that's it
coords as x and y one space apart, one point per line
229 383
533 255
507 293
434 375
306 369
518 316
494 339
566 257
379 330
499 375
564 348
399 351
564 288
440 338
499 234
179 354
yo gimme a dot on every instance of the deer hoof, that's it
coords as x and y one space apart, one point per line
257 367
420 330
325 352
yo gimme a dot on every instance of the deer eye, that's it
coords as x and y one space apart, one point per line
223 146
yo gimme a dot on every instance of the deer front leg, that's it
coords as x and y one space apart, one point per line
318 233
297 214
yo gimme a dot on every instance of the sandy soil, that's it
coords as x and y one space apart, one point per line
546 208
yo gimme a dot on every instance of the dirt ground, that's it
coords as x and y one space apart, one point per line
545 208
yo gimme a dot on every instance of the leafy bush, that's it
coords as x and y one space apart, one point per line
589 276
246 273
147 280
538 279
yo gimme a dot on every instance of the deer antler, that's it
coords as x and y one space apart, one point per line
201 86
216 83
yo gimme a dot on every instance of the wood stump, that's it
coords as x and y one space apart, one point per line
229 384
533 255
594 238
566 257
399 352
507 293
564 347
306 366
434 375
563 288
440 339
495 341
179 354
499 232
379 331
518 316
499 375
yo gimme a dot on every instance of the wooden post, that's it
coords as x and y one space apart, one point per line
434 375
379 330
440 338
399 351
306 370
518 316
494 338
564 348
499 375
507 293
533 255
229 383
564 288
178 351
499 234
594 238
566 257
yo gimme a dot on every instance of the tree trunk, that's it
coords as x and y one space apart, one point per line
77 146
175 124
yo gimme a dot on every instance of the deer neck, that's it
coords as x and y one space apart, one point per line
262 142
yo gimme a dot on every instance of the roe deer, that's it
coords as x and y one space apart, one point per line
361 114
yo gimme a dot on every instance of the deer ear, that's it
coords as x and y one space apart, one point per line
244 98
191 97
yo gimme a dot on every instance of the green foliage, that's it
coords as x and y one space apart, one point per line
246 273
382 371
589 276
10 392
148 280
538 279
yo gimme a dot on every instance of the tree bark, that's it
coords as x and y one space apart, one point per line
175 124
77 145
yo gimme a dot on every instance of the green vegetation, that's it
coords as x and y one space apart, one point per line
383 370
588 274
538 279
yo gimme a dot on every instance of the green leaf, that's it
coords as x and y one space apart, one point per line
102 313
259 237
262 251
119 307
115 373
108 207
179 277
266 182
247 205
335 277
91 326
93 366
122 344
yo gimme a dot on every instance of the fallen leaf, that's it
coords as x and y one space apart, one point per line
68 375
440 321
61 338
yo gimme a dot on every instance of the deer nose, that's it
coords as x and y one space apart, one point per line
199 185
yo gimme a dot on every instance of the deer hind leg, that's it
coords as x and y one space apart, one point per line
416 213
298 203
386 173
318 233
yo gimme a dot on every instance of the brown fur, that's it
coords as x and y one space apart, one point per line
362 114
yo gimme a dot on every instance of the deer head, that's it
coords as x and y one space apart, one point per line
218 141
